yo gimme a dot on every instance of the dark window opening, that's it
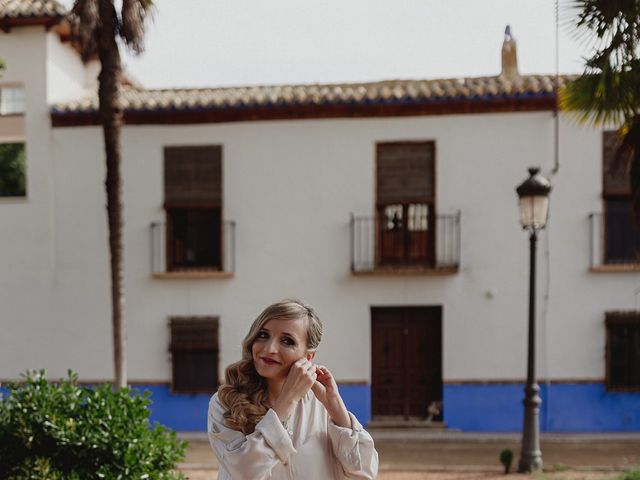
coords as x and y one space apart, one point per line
621 234
194 354
623 351
12 170
195 238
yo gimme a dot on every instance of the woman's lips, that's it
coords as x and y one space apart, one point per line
269 361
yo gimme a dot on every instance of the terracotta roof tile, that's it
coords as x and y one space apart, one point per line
393 91
10 9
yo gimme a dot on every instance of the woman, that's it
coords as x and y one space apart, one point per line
279 416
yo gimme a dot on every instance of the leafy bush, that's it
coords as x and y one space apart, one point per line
630 475
62 430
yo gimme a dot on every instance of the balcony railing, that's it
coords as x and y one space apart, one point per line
222 266
615 240
375 248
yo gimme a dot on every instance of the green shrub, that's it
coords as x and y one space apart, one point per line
62 430
506 458
630 475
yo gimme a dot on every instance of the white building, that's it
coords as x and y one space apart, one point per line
389 206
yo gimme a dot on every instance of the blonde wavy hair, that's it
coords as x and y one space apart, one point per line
244 393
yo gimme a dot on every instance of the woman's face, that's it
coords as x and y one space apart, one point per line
278 345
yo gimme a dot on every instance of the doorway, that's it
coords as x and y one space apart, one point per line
406 377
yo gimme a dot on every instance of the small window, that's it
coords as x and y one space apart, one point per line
405 198
194 354
393 217
194 238
12 170
623 350
12 101
193 204
621 234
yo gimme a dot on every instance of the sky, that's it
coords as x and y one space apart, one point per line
211 43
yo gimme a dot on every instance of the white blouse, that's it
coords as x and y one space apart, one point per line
311 448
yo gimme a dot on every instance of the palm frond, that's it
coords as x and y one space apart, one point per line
84 19
609 25
599 98
133 16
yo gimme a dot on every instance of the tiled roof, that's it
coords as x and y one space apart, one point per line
375 93
13 9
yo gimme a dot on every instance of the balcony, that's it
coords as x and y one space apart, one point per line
198 253
427 247
615 242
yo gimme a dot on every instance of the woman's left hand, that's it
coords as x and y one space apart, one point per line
326 391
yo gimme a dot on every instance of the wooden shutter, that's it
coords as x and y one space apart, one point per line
623 350
615 176
405 172
193 176
194 353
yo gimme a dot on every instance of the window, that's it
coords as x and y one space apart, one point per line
11 101
621 234
193 204
405 201
623 350
194 354
12 170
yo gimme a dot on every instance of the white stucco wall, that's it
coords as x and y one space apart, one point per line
27 259
290 186
66 73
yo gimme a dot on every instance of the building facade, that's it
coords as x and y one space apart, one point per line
389 206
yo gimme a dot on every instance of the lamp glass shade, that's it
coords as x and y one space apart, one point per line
533 211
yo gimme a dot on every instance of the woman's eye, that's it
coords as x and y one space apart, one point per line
288 341
263 335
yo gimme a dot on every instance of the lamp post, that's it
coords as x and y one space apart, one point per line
533 196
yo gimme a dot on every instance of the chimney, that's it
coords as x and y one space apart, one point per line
509 56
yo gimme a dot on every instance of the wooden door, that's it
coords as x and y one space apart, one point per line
406 234
406 361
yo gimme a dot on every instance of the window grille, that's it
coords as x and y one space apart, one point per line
194 354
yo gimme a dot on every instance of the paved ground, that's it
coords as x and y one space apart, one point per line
476 475
452 456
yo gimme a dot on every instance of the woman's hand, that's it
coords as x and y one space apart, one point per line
326 391
300 379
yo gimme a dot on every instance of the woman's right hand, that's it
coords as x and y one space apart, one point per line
300 379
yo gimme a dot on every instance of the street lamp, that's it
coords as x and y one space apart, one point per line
533 196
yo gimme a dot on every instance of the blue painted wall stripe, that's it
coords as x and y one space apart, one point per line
185 412
468 407
565 408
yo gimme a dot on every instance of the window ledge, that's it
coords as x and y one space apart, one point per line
14 199
192 274
630 389
616 267
402 271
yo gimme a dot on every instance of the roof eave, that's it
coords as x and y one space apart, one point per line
444 106
7 23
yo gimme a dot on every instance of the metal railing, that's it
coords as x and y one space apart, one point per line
615 239
159 249
366 248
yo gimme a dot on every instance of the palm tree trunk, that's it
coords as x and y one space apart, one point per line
111 115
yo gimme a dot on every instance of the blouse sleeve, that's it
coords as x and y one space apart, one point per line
354 449
250 456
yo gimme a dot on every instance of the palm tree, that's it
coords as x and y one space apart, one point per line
608 92
97 28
